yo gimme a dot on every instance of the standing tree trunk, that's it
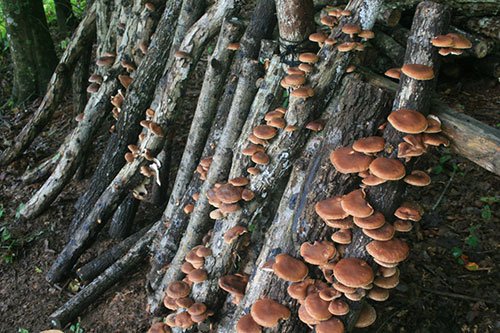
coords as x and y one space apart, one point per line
66 20
31 47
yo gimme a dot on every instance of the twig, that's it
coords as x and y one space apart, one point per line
444 190
460 296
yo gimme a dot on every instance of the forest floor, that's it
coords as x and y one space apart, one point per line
449 283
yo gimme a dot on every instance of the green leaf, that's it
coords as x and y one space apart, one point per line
490 200
456 252
2 211
23 330
19 209
5 234
38 270
444 159
472 241
437 169
486 212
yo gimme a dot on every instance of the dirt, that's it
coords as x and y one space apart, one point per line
439 291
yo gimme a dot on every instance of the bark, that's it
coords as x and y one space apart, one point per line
282 151
313 178
261 26
388 46
56 90
139 97
93 268
128 177
198 223
389 17
31 47
66 20
431 19
488 26
469 137
81 138
489 66
123 218
80 82
90 293
295 20
462 7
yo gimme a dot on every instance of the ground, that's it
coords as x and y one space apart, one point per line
449 283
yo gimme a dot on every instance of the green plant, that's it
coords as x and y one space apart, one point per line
23 330
76 328
446 163
10 245
486 212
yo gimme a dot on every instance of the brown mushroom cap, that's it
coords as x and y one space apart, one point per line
169 303
442 41
338 307
95 78
392 251
178 289
432 139
351 29
247 195
408 121
433 124
305 317
387 282
386 272
228 193
184 303
384 233
331 209
295 80
372 180
253 171
347 160
233 46
367 316
329 21
229 208
246 324
93 88
342 236
290 269
378 294
374 221
299 290
459 41
239 181
318 37
267 312
403 225
232 234
197 275
343 288
252 149
159 327
354 204
277 123
255 140
346 46
306 68
294 71
186 267
393 73
273 114
366 34
418 178
183 320
315 125
346 223
317 253
260 158
353 272
409 211
264 132
308 57
329 294
387 168
234 284
316 307
369 145
418 71
356 296
302 92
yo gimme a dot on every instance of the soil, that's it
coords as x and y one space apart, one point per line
439 291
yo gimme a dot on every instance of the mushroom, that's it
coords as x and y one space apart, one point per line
392 252
418 178
308 58
239 181
125 80
403 225
290 269
315 125
346 47
378 294
197 275
318 37
353 272
235 285
351 29
317 253
260 158
246 324
367 316
408 121
393 73
105 61
302 92
228 193
409 211
347 160
342 236
331 209
387 168
418 72
253 171
233 46
383 233
178 289
232 234
95 78
264 132
374 221
317 307
369 145
267 312
354 204
387 282
338 307
93 88
159 327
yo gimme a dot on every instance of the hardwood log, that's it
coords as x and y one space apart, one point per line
466 8
96 266
488 26
123 218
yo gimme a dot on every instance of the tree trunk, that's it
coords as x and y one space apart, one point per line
66 20
31 47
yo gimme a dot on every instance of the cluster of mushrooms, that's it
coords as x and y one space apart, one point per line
322 302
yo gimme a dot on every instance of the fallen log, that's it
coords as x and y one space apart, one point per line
93 268
488 26
466 8
123 218
90 293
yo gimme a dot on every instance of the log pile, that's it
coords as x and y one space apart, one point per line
260 229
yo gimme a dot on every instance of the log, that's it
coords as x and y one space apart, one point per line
84 33
139 96
96 266
261 26
466 8
295 21
313 178
219 168
431 19
80 140
90 293
488 26
129 177
388 16
282 150
470 138
123 218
